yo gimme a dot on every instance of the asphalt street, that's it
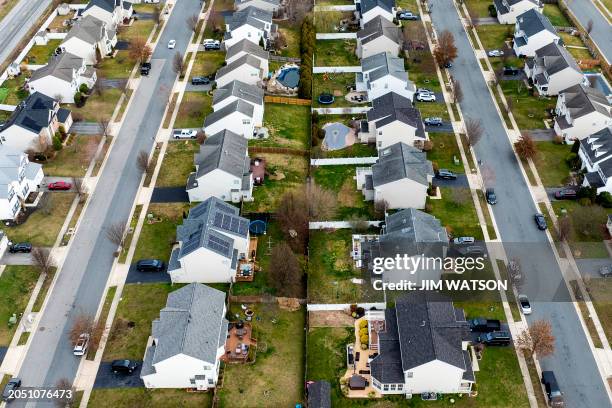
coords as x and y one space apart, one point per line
82 280
586 11
572 362
15 25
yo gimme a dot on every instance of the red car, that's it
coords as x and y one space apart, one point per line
59 185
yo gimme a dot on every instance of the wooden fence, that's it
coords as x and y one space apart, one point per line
287 101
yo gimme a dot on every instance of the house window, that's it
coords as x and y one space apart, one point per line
392 387
25 190
236 182
409 374
192 381
400 387
210 381
380 133
15 207
386 387
11 194
246 121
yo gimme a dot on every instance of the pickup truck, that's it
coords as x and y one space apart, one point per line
184 134
482 325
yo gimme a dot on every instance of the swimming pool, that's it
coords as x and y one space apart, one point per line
289 77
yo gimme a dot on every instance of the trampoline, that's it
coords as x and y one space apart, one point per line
257 227
326 99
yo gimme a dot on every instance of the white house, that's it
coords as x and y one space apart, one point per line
553 69
596 155
18 178
400 177
581 111
89 38
248 69
378 35
34 122
238 90
271 6
383 73
223 169
112 12
62 77
250 23
211 241
370 9
422 347
533 31
187 341
236 116
392 119
508 10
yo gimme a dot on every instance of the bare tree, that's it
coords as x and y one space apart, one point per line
589 27
526 147
80 188
115 233
156 14
358 223
564 227
297 10
201 137
215 20
538 339
280 41
142 161
104 125
446 51
473 130
488 175
285 271
292 215
588 222
192 22
457 91
380 208
98 86
67 393
139 50
178 65
86 324
42 260
321 202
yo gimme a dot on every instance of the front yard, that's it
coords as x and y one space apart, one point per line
529 111
494 36
551 164
289 126
74 159
16 284
147 398
456 212
118 67
97 106
445 151
336 53
178 163
478 8
556 17
193 109
599 290
207 63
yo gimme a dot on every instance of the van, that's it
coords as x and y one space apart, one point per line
553 393
496 338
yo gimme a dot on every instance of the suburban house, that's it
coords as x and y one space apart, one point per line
409 232
90 39
533 31
509 10
392 119
250 23
378 35
18 178
400 177
422 347
211 241
187 340
370 9
581 111
246 47
383 73
596 155
236 116
271 6
223 169
248 69
34 122
238 90
112 12
62 77
553 69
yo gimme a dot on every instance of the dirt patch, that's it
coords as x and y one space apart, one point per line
347 196
330 318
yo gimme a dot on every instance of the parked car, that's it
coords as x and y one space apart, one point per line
495 53
59 185
540 221
463 240
473 250
213 45
566 194
448 65
482 325
524 304
209 41
171 44
184 134
495 338
511 71
424 91
124 366
433 121
446 174
145 67
200 80
406 15
605 271
150 265
425 97
80 348
24 247
9 388
490 196
553 393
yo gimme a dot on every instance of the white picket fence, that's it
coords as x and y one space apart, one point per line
8 108
347 7
343 160
316 307
341 111
319 225
336 70
336 36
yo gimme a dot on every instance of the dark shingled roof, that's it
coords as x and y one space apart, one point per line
226 151
598 148
400 161
35 113
554 58
249 47
391 107
581 100
108 5
377 27
319 395
367 5
250 15
532 22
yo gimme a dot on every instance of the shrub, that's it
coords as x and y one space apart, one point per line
587 192
605 199
492 10
57 143
363 331
78 99
572 160
363 323
364 339
83 89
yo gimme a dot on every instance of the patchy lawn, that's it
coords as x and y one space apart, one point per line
178 163
336 84
293 34
494 36
529 111
328 21
16 284
551 164
140 28
356 150
148 398
193 109
556 17
431 109
157 235
456 212
289 126
97 105
600 289
444 152
74 159
12 92
118 67
478 8
207 63
276 377
40 54
336 53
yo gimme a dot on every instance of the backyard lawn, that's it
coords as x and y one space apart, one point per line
551 164
556 17
178 163
16 284
335 53
74 159
40 54
456 212
276 378
97 105
292 34
148 398
493 36
529 111
193 109
335 84
289 126
12 92
444 151
207 63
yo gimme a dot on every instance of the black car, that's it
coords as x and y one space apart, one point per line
200 80
496 338
540 221
554 394
9 388
124 366
145 67
24 247
150 265
448 65
446 174
483 325
511 71
490 196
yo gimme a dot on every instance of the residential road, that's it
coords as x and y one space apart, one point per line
586 11
17 23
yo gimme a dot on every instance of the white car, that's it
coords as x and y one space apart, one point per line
495 53
210 41
463 240
171 44
524 304
80 348
426 97
184 134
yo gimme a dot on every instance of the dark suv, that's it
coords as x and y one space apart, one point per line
150 265
200 80
554 394
540 221
511 71
490 196
496 338
25 247
446 174
9 389
145 67
124 366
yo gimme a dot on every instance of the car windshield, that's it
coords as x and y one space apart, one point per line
524 302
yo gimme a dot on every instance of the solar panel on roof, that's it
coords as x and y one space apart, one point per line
227 221
219 205
217 222
235 224
218 244
243 227
199 210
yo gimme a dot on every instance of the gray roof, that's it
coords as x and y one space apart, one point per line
377 27
581 100
236 106
319 394
10 165
212 224
250 15
391 107
34 113
61 67
387 366
383 63
108 5
503 9
249 47
532 22
245 59
226 151
400 161
554 58
367 5
192 323
250 93
272 2
89 29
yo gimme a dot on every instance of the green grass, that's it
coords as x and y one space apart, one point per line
289 126
74 159
529 111
139 29
580 53
429 109
292 33
409 5
40 54
444 151
456 211
493 36
97 105
193 109
108 301
335 53
551 164
335 3
148 398
118 67
332 83
16 284
178 163
478 8
276 377
207 63
12 92
356 150
156 237
556 17
328 21
599 290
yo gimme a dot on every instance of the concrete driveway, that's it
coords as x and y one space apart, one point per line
198 88
16 259
51 179
107 379
86 128
169 195
590 267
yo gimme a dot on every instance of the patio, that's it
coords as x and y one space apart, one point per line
238 343
245 272
361 368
